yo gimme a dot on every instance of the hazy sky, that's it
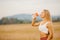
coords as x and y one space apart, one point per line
12 7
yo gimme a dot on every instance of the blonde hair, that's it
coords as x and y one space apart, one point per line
47 13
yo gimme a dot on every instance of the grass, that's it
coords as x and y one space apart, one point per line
25 32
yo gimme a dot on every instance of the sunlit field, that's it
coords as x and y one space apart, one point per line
25 32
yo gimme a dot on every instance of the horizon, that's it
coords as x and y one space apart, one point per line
15 7
25 14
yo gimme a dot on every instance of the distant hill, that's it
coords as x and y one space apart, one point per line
23 17
29 17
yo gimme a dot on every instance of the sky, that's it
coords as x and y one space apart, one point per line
13 7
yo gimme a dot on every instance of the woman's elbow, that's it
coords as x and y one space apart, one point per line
33 24
51 34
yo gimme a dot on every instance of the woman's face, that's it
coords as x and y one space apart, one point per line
42 15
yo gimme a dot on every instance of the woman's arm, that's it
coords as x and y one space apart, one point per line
50 29
35 24
34 18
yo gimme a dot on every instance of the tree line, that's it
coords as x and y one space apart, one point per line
6 20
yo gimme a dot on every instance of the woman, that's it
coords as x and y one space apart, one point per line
45 26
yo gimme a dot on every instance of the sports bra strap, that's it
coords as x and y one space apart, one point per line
47 23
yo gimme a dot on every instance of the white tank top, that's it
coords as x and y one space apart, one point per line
43 28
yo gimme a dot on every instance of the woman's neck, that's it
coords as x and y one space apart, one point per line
45 20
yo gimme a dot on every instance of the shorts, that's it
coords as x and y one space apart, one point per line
43 38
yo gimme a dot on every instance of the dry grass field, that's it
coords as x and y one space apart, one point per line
25 32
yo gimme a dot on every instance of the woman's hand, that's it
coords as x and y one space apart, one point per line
35 15
47 39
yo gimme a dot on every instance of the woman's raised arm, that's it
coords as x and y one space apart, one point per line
34 18
35 24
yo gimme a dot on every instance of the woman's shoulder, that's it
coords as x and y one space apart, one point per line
49 24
